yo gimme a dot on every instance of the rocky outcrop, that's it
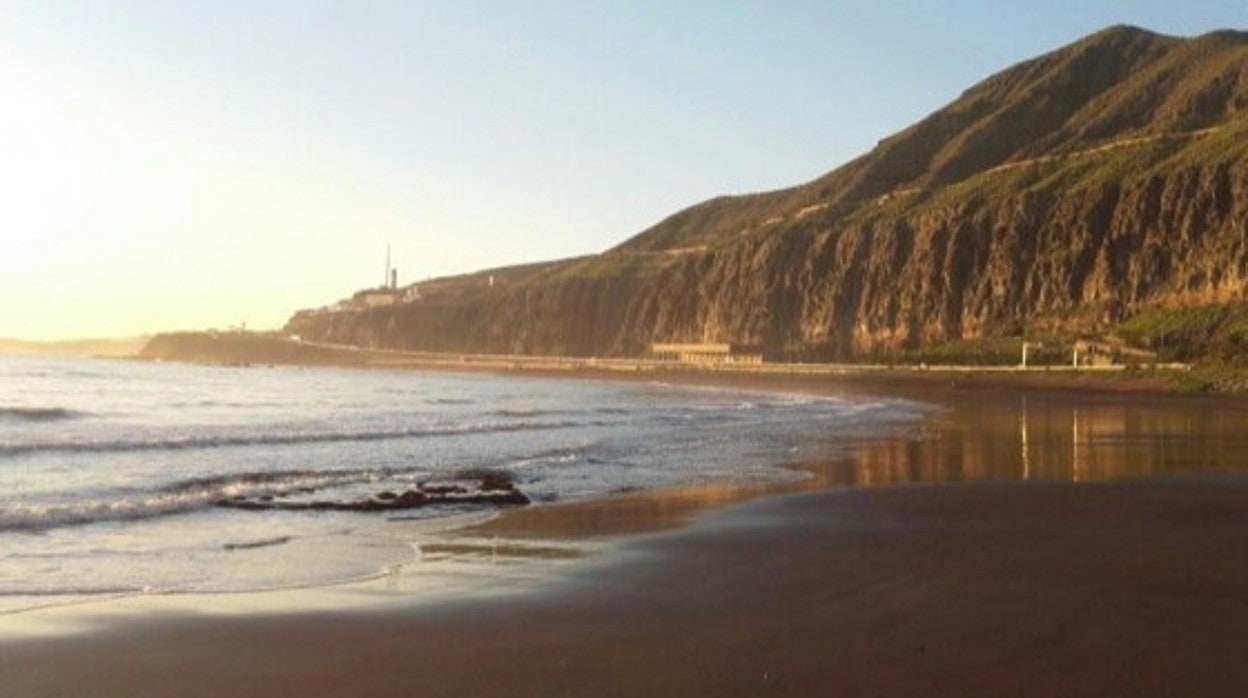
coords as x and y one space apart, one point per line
1061 194
492 490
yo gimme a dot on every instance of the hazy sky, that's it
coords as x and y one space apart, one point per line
192 164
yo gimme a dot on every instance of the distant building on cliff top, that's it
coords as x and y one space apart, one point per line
376 297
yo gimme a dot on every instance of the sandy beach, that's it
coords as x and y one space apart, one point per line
978 590
876 579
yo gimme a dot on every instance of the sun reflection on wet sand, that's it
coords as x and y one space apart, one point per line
1033 437
1056 439
632 513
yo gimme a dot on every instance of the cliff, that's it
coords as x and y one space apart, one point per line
1063 194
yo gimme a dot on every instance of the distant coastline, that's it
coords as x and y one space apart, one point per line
118 347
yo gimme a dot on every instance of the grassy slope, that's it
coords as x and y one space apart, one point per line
1115 109
1119 84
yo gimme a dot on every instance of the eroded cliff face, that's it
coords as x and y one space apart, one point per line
1061 194
1078 261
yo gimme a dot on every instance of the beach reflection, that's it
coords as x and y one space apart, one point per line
1059 438
972 437
624 514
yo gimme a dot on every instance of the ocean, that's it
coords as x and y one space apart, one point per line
116 476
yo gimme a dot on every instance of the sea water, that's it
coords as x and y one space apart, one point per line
112 473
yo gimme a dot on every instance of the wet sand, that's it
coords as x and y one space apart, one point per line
1000 589
897 586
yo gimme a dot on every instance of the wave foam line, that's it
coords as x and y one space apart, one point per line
271 439
184 497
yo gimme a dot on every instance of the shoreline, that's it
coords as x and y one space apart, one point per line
637 580
614 518
584 529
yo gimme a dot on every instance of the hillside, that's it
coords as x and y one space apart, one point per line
1063 194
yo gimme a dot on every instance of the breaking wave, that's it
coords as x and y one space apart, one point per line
172 443
195 494
186 496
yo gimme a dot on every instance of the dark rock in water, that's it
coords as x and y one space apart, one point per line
494 489
496 482
409 499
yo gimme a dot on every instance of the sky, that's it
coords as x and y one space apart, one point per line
186 165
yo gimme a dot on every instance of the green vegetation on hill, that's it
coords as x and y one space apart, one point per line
1211 334
992 351
1116 86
